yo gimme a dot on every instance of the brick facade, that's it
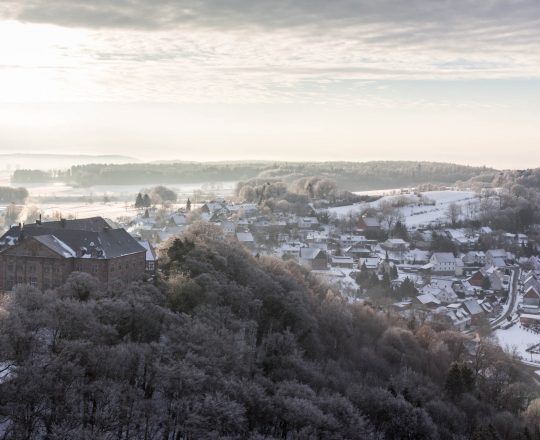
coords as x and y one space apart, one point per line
46 262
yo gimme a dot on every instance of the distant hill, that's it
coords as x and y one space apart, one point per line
45 162
352 176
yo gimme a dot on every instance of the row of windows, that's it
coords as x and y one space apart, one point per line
31 268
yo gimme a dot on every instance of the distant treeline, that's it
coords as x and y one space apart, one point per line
12 195
526 179
347 175
31 176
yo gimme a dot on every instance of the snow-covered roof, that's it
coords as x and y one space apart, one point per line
473 307
443 257
245 237
309 253
150 254
337 259
427 298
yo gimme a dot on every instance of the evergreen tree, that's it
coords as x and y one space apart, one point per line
400 231
407 289
146 201
459 380
139 203
386 281
453 384
339 252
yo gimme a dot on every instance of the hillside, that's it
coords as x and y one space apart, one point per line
230 346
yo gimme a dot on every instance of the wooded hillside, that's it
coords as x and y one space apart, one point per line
230 346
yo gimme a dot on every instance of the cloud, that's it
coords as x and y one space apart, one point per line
258 50
423 15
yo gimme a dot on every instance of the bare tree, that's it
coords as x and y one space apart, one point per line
453 212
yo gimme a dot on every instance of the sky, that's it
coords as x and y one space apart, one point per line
303 80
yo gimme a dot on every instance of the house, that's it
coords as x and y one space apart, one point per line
496 257
531 297
357 252
400 307
443 262
229 228
395 245
340 261
528 320
308 222
461 238
489 277
246 238
426 301
486 230
150 257
371 263
370 224
178 219
318 239
474 258
352 240
43 254
476 312
417 256
313 258
215 207
443 292
458 317
290 249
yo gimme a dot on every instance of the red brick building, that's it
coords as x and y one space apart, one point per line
44 254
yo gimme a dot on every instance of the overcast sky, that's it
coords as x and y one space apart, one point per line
449 80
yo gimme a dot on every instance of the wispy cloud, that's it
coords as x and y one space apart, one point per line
260 50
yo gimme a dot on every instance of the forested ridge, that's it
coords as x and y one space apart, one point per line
348 175
230 346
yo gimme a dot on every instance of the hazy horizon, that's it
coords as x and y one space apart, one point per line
209 81
35 160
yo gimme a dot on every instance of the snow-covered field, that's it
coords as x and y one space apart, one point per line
56 198
59 189
415 213
519 338
111 210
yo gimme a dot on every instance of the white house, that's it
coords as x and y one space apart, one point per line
443 262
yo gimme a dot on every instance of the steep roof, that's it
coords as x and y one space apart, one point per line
309 253
245 237
150 252
472 306
56 245
95 239
444 257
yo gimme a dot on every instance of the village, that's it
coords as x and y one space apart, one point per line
474 280
406 253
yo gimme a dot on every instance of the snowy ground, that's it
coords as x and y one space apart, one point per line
59 189
519 338
414 215
56 197
111 210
